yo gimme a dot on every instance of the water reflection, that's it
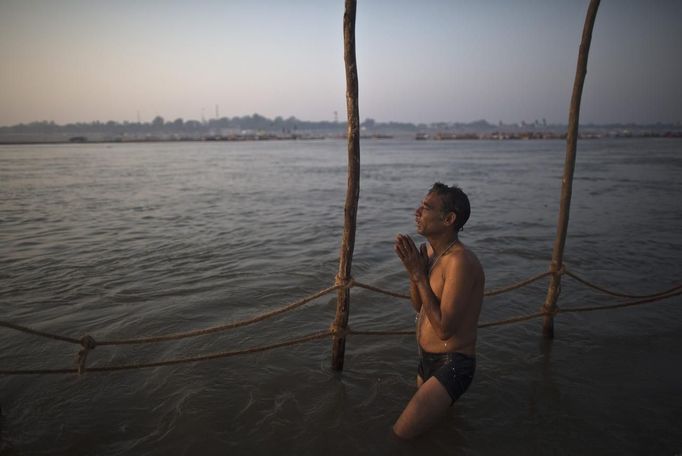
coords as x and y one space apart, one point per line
544 394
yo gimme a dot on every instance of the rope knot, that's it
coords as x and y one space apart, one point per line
344 282
560 270
88 343
338 331
555 311
550 312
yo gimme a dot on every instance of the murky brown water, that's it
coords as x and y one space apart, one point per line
131 240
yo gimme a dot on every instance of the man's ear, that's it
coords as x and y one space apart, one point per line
450 218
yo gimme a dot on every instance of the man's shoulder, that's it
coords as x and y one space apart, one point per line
463 258
463 254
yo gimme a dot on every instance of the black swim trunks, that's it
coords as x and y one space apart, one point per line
454 371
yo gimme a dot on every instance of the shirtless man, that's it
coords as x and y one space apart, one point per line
446 287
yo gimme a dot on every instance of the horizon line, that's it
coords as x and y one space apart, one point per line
534 122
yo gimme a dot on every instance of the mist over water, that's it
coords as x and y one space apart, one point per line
132 240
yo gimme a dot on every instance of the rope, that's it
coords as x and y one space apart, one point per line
496 291
517 285
177 336
521 318
88 343
512 320
339 283
615 293
225 354
35 332
492 292
201 332
380 290
481 325
384 333
338 331
344 282
622 304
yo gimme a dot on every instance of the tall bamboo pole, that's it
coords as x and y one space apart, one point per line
353 189
569 166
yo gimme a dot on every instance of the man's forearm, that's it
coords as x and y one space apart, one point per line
429 301
415 299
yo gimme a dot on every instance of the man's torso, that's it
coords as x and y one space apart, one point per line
464 339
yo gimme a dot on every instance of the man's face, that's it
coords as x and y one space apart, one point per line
428 216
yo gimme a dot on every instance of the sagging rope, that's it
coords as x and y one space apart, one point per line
487 293
81 368
88 343
521 318
225 327
35 332
314 336
339 283
349 283
658 297
176 336
617 294
521 284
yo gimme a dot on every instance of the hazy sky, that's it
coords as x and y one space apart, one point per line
418 61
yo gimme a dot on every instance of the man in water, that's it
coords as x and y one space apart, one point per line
446 289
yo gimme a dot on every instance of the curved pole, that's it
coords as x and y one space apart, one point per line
353 189
569 165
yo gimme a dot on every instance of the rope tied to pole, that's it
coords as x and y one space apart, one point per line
549 312
344 282
338 331
89 343
340 283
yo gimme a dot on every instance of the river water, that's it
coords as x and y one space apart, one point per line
132 240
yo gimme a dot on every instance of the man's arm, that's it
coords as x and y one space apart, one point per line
415 299
445 314
413 258
414 289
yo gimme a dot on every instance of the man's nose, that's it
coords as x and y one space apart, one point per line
418 211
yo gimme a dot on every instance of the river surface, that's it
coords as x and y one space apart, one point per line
132 240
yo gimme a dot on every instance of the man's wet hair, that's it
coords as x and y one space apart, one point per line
454 200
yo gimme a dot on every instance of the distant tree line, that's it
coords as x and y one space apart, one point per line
281 127
255 122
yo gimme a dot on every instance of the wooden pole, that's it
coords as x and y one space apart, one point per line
569 166
353 189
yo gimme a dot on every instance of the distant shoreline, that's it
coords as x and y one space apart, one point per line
417 138
259 128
